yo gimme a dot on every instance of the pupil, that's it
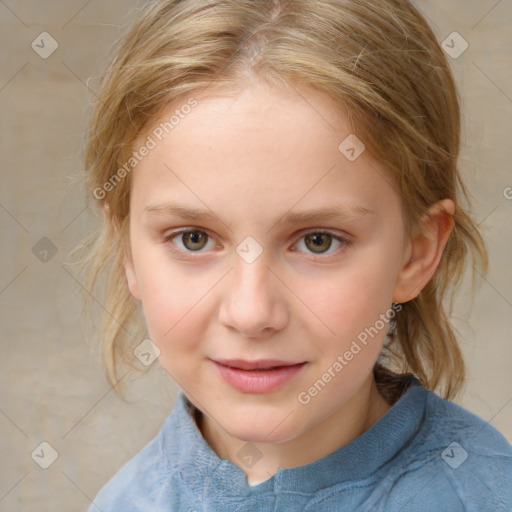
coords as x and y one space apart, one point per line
194 238
319 241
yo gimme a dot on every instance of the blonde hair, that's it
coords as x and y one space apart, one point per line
380 61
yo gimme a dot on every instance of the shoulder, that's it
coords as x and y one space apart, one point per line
138 479
457 461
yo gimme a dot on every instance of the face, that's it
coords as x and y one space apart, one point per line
255 278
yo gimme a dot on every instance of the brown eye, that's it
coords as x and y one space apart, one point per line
188 240
321 243
194 240
318 242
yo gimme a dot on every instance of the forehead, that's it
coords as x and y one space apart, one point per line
260 147
252 112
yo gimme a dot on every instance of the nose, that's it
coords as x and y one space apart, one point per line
254 301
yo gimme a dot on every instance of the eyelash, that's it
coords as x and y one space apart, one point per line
167 239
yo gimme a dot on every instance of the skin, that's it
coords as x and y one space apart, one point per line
250 157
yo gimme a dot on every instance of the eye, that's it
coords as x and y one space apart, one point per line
191 240
319 242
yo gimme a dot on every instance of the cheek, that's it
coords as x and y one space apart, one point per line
354 308
170 306
171 298
174 320
349 303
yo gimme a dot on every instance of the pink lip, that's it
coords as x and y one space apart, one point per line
254 365
261 376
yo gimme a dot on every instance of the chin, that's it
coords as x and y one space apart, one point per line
252 435
271 429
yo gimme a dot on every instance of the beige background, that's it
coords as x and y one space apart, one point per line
53 388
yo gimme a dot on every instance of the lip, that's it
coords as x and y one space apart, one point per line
263 376
241 364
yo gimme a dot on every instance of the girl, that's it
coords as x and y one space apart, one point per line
280 195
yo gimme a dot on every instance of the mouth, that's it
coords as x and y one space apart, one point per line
262 364
262 376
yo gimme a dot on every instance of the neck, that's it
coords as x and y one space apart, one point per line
356 416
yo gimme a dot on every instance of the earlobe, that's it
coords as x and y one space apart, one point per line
131 276
426 248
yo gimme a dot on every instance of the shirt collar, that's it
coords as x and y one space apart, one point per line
189 455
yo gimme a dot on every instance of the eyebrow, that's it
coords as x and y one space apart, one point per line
313 215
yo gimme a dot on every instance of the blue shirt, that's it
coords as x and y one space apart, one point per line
424 454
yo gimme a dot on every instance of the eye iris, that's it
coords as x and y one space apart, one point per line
196 238
317 242
315 238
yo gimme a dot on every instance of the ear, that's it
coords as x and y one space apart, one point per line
425 250
129 268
